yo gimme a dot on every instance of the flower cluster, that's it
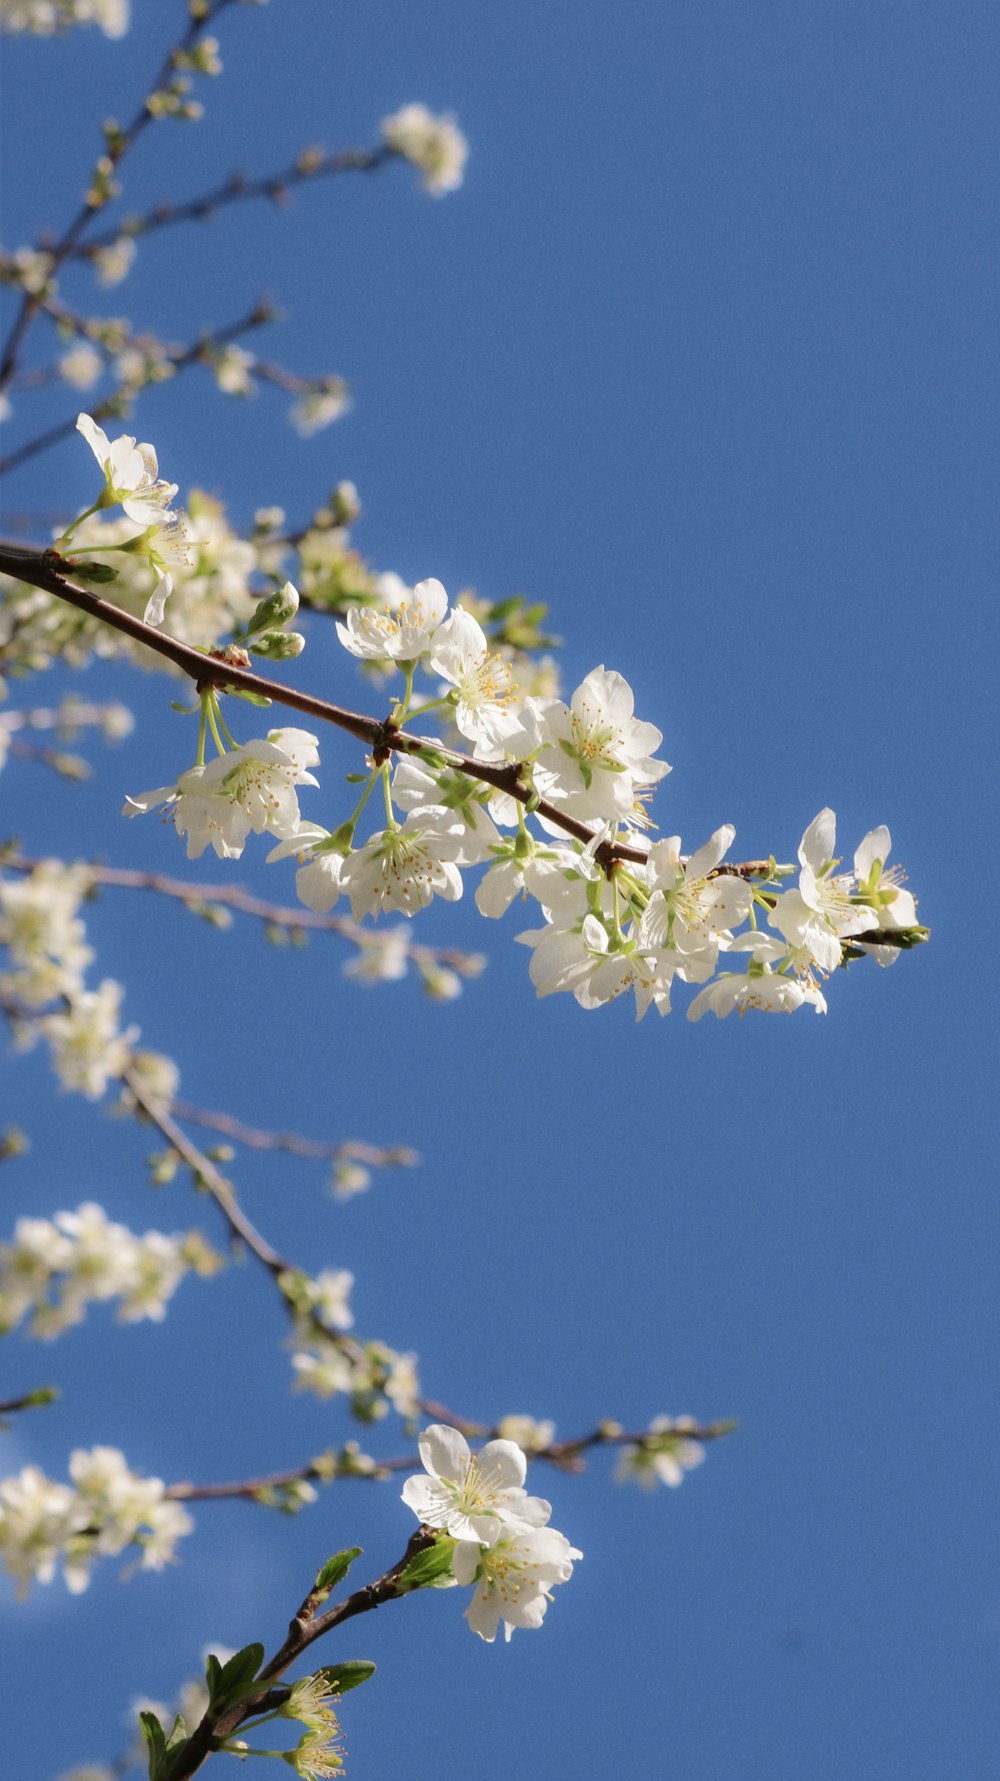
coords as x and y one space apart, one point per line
132 481
663 1456
434 144
54 1268
44 937
105 1509
503 1544
619 915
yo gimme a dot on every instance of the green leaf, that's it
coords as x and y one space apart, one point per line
335 1570
178 1736
236 1676
345 1676
156 1743
429 1568
213 1672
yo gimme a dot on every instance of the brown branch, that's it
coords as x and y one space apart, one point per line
46 570
566 1455
309 165
253 1138
115 151
306 1627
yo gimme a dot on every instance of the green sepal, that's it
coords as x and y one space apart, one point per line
430 1568
227 1681
188 710
345 1676
278 646
335 1570
239 692
274 610
94 572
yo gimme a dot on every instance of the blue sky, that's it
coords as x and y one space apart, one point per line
703 355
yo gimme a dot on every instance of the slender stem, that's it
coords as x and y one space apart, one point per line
309 165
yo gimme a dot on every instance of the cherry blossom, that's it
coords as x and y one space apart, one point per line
477 1497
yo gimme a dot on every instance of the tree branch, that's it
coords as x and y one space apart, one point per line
311 164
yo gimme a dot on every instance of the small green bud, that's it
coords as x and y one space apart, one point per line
274 610
277 646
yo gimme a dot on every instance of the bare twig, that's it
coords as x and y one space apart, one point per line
311 164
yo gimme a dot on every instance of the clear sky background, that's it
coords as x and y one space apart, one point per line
703 355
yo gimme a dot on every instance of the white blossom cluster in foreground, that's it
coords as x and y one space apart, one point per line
44 1524
503 1544
609 925
54 1268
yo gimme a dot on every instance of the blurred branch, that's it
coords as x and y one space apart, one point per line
178 358
351 1150
311 164
117 146
199 898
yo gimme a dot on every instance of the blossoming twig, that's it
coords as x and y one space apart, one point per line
45 569
327 1468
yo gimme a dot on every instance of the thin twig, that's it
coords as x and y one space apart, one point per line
328 1468
253 1138
311 164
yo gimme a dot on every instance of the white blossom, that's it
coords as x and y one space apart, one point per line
402 868
690 911
513 1578
316 409
665 1456
434 144
251 789
477 1497
89 1049
595 758
114 262
82 365
401 627
105 1509
483 681
130 472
